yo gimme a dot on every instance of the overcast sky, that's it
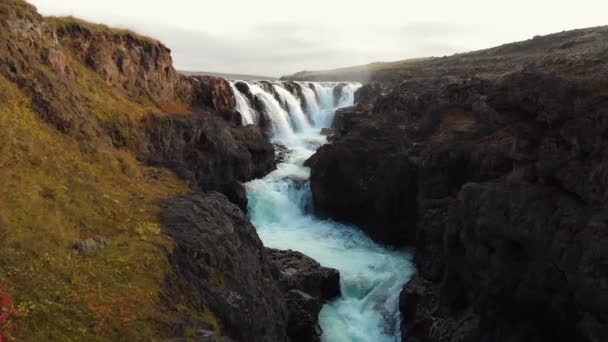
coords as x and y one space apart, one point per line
278 37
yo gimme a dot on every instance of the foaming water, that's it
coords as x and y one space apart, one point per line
294 107
279 117
371 276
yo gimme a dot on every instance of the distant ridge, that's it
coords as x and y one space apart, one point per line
228 76
562 51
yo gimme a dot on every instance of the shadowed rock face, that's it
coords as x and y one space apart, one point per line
500 183
307 286
213 154
255 293
222 268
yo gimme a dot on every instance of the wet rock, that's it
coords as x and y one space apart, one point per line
244 89
338 93
91 245
281 153
303 311
307 286
303 273
327 131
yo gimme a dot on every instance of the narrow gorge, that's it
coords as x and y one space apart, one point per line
280 206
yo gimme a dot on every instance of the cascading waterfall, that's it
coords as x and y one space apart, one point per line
312 106
327 109
279 118
294 107
244 107
371 276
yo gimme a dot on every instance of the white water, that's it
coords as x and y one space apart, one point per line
371 276
294 107
279 118
244 107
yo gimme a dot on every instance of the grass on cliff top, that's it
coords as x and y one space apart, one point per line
53 195
70 23
18 7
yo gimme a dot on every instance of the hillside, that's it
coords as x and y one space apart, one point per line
576 51
227 76
105 151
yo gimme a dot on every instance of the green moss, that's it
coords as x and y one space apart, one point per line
216 279
212 320
53 195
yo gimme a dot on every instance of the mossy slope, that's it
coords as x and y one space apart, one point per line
68 139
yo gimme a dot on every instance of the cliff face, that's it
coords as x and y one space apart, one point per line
140 66
97 128
501 183
223 268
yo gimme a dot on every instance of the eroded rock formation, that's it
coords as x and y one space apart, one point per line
501 184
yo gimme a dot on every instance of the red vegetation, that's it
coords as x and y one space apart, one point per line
7 316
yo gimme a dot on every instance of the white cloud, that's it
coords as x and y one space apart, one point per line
275 37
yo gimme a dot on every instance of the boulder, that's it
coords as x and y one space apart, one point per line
308 286
91 245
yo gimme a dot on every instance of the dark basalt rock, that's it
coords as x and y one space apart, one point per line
368 93
213 92
338 93
244 89
501 184
307 286
222 268
210 152
303 273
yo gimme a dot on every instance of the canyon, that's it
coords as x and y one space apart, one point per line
461 198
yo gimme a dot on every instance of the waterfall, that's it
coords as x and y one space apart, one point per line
312 105
371 276
348 95
244 107
284 109
325 93
279 118
294 107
